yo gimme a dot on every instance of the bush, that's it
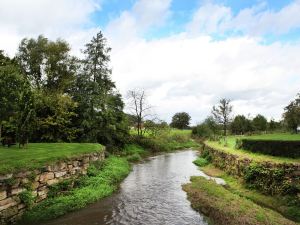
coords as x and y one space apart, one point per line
272 147
201 162
202 131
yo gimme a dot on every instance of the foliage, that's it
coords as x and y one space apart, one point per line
181 120
222 113
241 125
272 147
99 106
27 198
260 123
285 205
225 207
201 162
93 188
39 154
269 180
291 114
11 82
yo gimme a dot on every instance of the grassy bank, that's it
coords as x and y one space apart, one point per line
103 178
36 155
224 207
102 181
229 147
285 205
167 140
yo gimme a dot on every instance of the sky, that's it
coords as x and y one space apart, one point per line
186 54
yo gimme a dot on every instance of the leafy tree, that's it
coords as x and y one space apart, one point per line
212 125
291 114
221 113
47 64
25 114
100 106
11 81
240 125
181 120
260 123
54 115
202 130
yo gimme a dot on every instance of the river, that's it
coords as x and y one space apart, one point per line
150 195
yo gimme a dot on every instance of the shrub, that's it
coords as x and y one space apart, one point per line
134 158
273 147
201 162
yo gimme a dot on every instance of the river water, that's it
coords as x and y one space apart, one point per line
150 195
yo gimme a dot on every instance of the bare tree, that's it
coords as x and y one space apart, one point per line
221 113
139 107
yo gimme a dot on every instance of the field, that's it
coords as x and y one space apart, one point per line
36 155
230 147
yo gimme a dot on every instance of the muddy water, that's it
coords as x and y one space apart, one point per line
150 195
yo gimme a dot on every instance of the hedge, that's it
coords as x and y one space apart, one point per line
289 149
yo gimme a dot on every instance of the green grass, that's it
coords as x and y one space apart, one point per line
224 207
229 147
276 136
102 183
200 162
37 155
282 204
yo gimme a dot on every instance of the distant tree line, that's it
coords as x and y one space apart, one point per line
49 95
221 121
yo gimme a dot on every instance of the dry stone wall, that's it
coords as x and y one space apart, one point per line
267 176
38 182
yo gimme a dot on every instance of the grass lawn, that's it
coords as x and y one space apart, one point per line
230 148
36 155
225 207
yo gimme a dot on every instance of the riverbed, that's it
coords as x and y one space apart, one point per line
150 195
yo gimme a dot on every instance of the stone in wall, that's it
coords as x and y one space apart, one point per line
11 207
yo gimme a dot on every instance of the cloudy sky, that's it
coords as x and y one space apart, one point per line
187 54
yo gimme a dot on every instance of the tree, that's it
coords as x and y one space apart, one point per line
181 120
100 106
11 81
25 114
139 107
260 123
212 125
291 114
240 125
221 113
47 64
50 69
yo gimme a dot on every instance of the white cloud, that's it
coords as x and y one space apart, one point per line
209 18
183 73
133 23
255 21
63 18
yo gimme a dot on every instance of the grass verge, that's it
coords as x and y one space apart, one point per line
37 155
101 181
285 205
229 147
224 207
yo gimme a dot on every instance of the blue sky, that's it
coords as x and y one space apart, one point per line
187 54
181 12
